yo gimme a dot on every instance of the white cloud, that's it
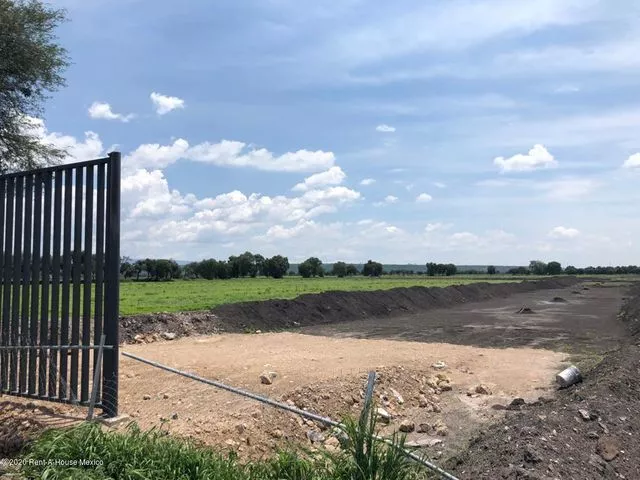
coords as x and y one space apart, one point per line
388 200
333 176
439 184
164 104
432 227
632 162
230 154
538 157
424 198
77 150
367 181
154 155
384 128
101 110
563 232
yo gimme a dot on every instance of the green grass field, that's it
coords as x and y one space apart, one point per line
191 295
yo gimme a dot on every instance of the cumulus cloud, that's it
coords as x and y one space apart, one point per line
633 161
440 184
77 150
333 176
367 181
424 198
165 104
538 157
388 200
384 128
563 232
102 111
230 154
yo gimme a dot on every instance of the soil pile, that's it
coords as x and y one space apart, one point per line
323 308
589 431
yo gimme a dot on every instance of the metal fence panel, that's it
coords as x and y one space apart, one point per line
59 282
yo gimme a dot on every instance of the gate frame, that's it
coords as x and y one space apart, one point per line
28 259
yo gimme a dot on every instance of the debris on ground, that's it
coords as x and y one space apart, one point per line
568 377
267 378
525 310
559 300
439 365
481 389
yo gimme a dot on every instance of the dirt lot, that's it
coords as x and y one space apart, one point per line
484 342
572 319
589 431
325 375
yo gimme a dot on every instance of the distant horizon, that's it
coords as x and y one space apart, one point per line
416 266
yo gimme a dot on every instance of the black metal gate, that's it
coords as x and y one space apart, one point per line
59 282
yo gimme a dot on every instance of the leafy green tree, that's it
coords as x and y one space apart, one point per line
571 270
339 269
259 262
372 269
311 267
554 268
276 266
536 267
31 66
351 270
491 270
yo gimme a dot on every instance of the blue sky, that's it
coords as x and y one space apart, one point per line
473 132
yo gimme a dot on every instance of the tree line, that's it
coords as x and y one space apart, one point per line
249 264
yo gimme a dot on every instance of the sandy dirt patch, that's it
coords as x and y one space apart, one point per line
325 375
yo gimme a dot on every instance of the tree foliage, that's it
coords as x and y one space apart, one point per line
372 269
276 266
491 270
339 269
31 66
154 269
447 269
311 267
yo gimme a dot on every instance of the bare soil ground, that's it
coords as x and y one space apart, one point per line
565 319
589 431
325 375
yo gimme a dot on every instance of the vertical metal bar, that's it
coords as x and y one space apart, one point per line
112 293
35 280
87 277
66 278
55 283
6 279
98 310
17 276
26 279
3 341
44 294
96 378
77 268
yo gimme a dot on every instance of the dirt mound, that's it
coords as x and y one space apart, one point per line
559 300
588 431
316 309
